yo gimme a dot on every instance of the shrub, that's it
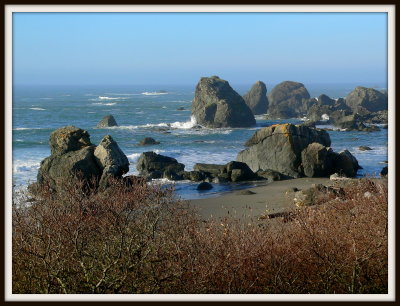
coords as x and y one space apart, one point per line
142 239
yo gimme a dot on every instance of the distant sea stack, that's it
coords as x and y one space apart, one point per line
364 100
256 98
288 99
107 121
217 105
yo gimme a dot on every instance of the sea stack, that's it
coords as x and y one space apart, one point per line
256 98
288 99
217 105
364 100
107 121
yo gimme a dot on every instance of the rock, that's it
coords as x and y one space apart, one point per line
204 186
60 167
256 98
286 100
195 176
271 175
217 105
107 121
364 148
238 171
385 127
148 141
212 170
244 192
180 108
315 193
221 178
364 100
154 165
110 159
69 138
325 100
354 123
384 171
278 147
317 160
345 163
380 117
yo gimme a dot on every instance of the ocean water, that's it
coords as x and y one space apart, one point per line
148 111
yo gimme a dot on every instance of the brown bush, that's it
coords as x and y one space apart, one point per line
141 239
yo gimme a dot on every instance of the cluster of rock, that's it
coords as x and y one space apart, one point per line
72 153
296 151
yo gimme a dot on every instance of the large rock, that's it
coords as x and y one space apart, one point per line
111 159
217 105
364 100
278 147
354 123
317 160
288 99
211 170
238 171
344 163
107 121
73 154
148 141
155 165
68 138
256 98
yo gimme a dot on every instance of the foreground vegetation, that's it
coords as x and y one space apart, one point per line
141 239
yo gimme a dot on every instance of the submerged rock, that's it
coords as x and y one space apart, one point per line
107 121
217 105
204 186
256 98
148 141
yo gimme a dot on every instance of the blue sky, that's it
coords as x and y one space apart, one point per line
179 48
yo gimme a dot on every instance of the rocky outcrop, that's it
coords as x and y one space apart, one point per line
148 141
288 99
107 121
364 100
217 105
278 147
354 123
345 164
380 117
317 160
73 154
327 110
154 165
256 98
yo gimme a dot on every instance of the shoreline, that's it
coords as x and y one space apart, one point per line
274 197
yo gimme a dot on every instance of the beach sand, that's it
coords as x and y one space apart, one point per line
275 197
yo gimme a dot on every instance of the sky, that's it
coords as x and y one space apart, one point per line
179 48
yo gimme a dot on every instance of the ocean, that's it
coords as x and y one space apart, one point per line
156 111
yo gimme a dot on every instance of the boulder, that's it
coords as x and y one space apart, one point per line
278 147
271 175
238 171
325 100
217 105
364 100
107 121
195 176
364 148
317 160
204 186
68 138
384 171
345 164
286 100
354 123
148 141
110 159
154 165
211 170
256 98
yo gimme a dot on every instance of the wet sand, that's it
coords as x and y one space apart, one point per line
275 197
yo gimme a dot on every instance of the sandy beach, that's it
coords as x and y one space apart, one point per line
272 198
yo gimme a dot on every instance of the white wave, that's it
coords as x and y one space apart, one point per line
106 104
260 117
164 107
324 117
155 93
133 157
185 125
122 94
26 128
109 98
37 108
26 166
46 98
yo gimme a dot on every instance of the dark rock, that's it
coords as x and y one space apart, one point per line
204 186
380 117
279 147
107 121
385 127
154 165
68 139
384 171
325 100
217 105
195 176
180 108
239 171
271 175
364 148
221 178
212 170
364 100
286 100
148 141
169 173
256 98
317 160
354 123
344 163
